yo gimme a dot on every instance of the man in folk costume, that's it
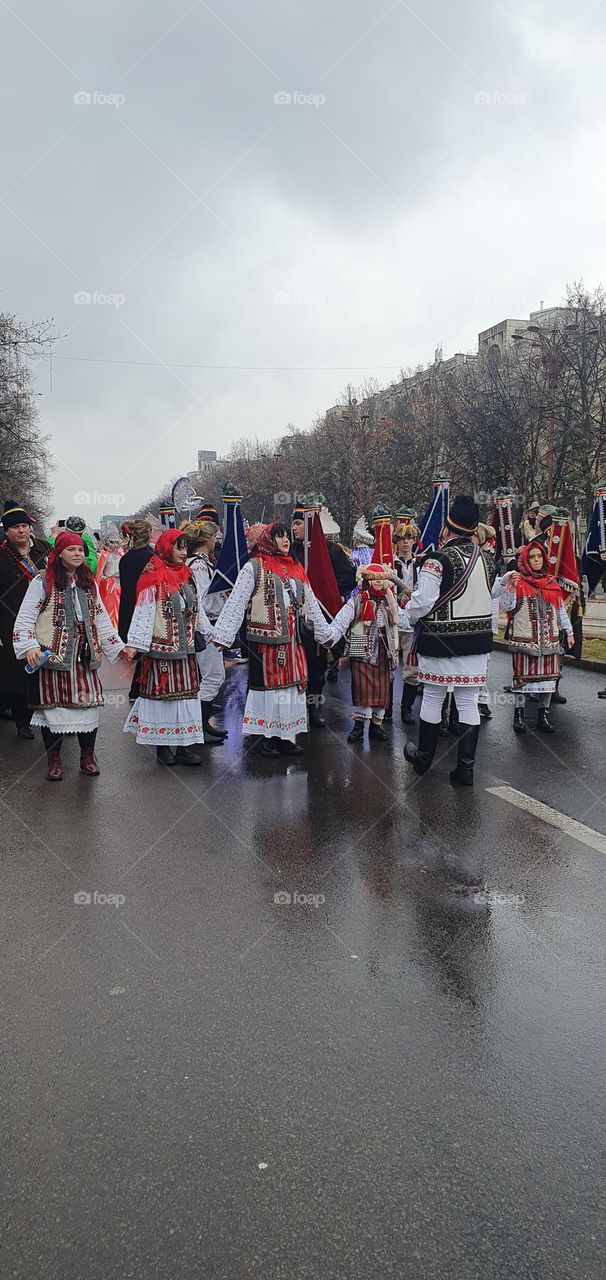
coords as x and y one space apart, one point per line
21 556
451 610
273 592
63 618
164 624
332 575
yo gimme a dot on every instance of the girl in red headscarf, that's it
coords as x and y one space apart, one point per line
166 620
272 591
369 619
63 614
534 603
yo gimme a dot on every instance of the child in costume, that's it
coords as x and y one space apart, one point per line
369 623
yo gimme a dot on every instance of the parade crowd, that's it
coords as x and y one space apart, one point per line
297 604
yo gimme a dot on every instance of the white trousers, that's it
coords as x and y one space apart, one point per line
212 672
367 713
466 701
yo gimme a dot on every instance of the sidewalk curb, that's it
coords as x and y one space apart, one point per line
588 664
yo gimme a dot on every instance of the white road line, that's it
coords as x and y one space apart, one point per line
578 830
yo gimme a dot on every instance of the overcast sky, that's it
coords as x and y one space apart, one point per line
439 166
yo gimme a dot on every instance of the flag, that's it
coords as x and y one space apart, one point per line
434 517
234 551
381 522
561 555
502 520
595 541
319 565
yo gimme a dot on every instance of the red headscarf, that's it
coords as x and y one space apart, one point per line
529 583
277 561
161 571
67 538
371 592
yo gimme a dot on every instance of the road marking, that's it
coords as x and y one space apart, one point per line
578 830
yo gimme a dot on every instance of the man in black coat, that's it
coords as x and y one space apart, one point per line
131 566
21 556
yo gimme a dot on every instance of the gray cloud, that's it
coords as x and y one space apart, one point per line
419 184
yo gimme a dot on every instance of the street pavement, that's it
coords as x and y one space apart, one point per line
394 1068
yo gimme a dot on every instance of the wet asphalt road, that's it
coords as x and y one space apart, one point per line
389 1080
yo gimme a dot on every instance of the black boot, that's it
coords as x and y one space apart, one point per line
357 733
187 755
421 757
24 731
377 731
408 696
466 755
166 756
287 748
558 698
212 737
485 712
519 723
543 725
270 747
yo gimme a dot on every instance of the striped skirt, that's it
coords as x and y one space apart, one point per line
535 670
370 686
165 679
76 689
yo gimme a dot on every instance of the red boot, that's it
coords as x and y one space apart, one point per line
88 763
55 772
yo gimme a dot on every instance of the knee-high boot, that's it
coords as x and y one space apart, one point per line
466 755
421 757
52 743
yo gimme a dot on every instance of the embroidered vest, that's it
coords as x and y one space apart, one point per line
364 636
463 624
534 627
174 627
56 626
267 615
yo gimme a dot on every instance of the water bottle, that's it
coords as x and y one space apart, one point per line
44 658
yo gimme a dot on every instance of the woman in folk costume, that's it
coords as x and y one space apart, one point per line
62 612
108 572
534 602
272 590
369 621
201 539
167 714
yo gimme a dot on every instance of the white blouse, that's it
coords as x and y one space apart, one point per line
233 611
141 628
24 634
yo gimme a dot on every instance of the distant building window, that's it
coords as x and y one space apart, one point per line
494 356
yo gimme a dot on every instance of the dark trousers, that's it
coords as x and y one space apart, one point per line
317 659
20 711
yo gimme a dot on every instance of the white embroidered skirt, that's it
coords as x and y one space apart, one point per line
275 713
170 722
